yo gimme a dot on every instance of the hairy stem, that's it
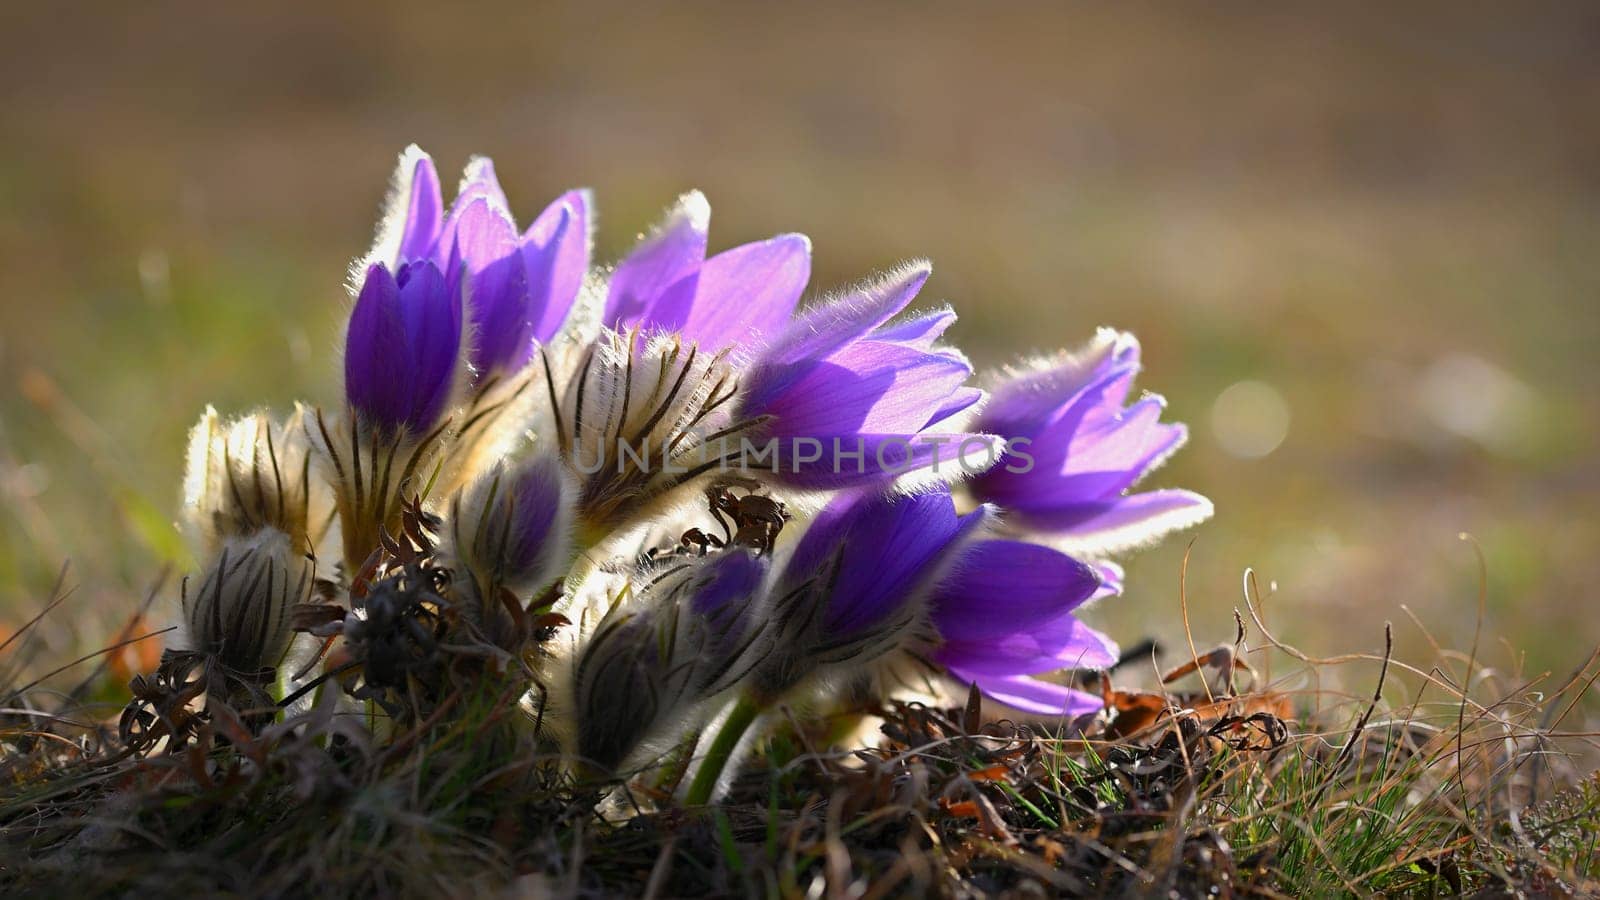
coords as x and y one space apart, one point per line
716 760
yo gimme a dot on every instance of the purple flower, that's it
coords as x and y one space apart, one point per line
1076 448
667 284
852 400
403 349
520 286
877 573
1006 613
850 591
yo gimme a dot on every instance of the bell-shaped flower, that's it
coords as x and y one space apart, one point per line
404 369
848 399
852 591
882 573
879 576
402 360
658 659
666 284
1075 448
521 286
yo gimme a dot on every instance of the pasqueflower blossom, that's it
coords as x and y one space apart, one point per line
451 304
852 590
876 575
880 573
520 287
403 369
402 356
1077 448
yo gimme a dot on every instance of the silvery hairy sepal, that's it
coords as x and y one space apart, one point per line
639 417
689 634
252 473
239 612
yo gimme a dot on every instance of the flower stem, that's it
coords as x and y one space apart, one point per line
716 760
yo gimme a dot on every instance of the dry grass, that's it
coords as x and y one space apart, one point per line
1442 777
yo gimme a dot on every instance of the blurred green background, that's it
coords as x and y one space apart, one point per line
1359 244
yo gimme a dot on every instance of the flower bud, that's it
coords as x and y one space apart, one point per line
511 531
404 349
690 633
240 612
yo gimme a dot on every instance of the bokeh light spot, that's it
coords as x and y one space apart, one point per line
1250 419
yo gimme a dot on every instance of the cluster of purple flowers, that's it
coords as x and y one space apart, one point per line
879 512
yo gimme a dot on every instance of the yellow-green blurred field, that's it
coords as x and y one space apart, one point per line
1388 219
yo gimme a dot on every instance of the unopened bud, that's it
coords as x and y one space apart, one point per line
239 614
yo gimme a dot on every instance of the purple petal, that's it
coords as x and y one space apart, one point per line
1061 643
502 338
1055 402
919 331
1038 585
478 182
673 252
866 387
823 329
481 231
431 309
1084 452
958 402
1120 521
556 253
1111 579
741 293
877 552
1133 441
1040 698
424 207
376 351
498 288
